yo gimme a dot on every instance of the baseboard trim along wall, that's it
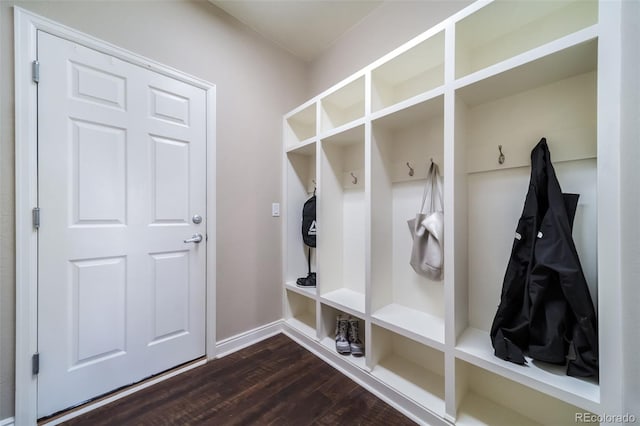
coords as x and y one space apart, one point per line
240 341
7 422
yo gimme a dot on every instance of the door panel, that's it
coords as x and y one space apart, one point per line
98 162
170 180
121 171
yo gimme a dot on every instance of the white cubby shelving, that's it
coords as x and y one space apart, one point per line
300 125
474 346
417 70
300 172
342 106
407 139
411 368
497 76
300 312
341 220
327 328
505 29
484 398
564 106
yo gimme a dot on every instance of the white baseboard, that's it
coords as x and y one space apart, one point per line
240 341
414 411
7 422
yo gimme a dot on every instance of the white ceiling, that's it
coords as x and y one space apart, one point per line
303 27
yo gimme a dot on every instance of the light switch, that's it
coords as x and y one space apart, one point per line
275 209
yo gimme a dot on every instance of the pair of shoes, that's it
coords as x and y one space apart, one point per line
347 336
307 282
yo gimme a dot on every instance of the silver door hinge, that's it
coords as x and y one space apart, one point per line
35 364
35 71
36 217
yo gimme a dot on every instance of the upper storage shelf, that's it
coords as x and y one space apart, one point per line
417 70
342 106
300 126
505 29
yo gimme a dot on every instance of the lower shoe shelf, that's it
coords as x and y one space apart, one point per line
330 343
304 323
327 332
412 380
301 313
477 410
409 367
474 346
486 398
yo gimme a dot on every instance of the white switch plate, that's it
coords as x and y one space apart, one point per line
275 209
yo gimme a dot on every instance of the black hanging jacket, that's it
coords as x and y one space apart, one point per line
545 309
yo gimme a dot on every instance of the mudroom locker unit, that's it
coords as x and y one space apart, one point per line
474 94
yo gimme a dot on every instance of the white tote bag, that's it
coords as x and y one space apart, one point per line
427 229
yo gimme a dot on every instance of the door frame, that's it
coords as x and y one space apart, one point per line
26 25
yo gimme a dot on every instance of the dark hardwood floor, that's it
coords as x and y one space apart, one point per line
274 382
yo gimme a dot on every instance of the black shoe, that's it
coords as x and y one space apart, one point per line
307 282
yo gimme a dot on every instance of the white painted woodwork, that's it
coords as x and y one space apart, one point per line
497 73
489 400
300 169
327 328
300 126
300 311
415 136
342 106
341 219
122 168
413 369
418 70
504 29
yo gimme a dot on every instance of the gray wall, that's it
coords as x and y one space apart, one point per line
256 83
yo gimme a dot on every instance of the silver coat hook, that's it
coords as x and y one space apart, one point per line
501 157
355 179
410 169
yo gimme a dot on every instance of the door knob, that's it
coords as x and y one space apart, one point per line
196 238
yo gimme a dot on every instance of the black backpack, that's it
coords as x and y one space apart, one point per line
309 238
309 222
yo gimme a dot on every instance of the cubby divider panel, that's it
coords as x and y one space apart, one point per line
485 398
403 145
341 220
301 313
411 73
327 332
504 29
412 369
300 178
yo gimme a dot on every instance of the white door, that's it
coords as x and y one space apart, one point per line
121 174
